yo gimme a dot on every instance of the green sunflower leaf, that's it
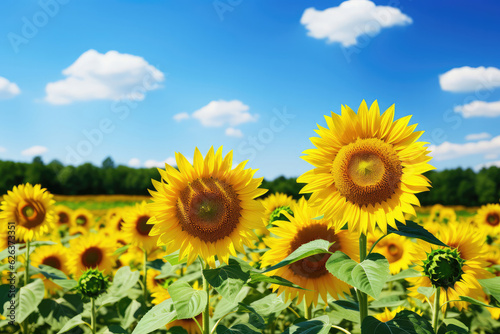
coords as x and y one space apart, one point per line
368 276
236 329
188 302
159 316
405 322
408 273
27 299
320 325
491 286
228 279
314 247
414 230
72 323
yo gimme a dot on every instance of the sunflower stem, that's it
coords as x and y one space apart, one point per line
436 309
362 297
27 268
307 310
93 323
206 313
144 278
26 282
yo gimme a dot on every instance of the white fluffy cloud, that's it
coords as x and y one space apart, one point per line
34 150
221 112
447 150
8 89
470 79
109 76
2 149
160 164
232 132
491 156
479 109
181 116
351 19
134 162
477 136
488 165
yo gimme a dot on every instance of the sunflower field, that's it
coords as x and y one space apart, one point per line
210 251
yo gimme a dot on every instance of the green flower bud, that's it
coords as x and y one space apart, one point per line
93 283
444 267
277 215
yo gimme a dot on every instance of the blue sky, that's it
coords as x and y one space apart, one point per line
231 70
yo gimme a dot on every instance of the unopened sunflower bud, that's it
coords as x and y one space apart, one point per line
444 267
277 215
93 283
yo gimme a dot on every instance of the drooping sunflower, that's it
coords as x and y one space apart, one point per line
368 168
63 215
139 221
82 217
488 217
455 270
397 249
273 205
31 208
207 208
90 251
309 273
55 256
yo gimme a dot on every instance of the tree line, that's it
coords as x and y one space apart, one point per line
449 187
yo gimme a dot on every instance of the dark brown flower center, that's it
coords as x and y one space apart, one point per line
31 213
63 217
313 266
367 171
493 219
52 261
92 257
394 252
209 209
142 225
82 220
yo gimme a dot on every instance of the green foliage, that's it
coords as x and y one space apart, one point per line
188 302
314 247
320 325
405 322
413 230
369 276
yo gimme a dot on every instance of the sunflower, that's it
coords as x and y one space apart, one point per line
488 217
207 208
493 258
367 168
152 282
138 224
83 218
388 315
159 295
90 251
115 221
63 215
309 273
30 207
274 204
188 324
455 270
397 250
54 256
